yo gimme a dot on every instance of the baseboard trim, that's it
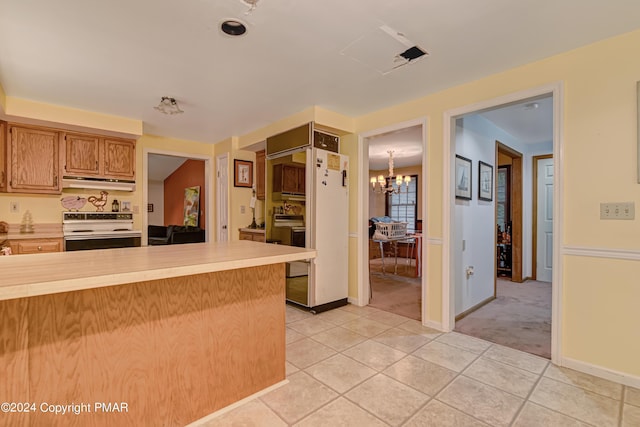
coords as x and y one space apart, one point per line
474 308
622 254
205 420
433 325
353 301
601 372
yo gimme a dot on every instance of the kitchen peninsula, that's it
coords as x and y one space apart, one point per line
172 332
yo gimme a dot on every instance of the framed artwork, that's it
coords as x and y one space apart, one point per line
463 178
191 206
485 181
125 207
242 173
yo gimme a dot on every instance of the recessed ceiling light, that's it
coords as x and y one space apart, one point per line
233 27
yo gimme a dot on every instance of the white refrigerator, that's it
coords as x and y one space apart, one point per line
328 228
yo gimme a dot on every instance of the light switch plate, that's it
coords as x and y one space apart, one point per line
618 210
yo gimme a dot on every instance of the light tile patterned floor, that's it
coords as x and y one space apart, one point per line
356 366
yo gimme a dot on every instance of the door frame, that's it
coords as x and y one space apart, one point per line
448 261
534 213
222 158
208 191
363 208
516 204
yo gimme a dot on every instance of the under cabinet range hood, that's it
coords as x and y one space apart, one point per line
98 183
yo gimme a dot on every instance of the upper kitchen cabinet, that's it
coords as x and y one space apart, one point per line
83 155
260 175
33 160
119 158
289 178
101 157
3 153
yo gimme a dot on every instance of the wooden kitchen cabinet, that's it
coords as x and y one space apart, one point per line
83 155
252 234
119 158
260 175
96 156
35 246
289 178
3 156
33 160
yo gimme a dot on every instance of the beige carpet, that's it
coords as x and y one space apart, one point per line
520 318
396 293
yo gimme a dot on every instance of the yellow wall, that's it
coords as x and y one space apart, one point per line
41 113
599 165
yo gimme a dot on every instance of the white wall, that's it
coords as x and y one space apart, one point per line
475 139
475 223
156 196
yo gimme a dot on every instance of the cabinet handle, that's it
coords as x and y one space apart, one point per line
40 248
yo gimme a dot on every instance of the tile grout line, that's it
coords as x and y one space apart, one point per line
621 409
526 399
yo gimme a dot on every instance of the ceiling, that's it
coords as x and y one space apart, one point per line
120 57
161 166
406 145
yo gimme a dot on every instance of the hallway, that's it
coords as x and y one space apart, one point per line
519 318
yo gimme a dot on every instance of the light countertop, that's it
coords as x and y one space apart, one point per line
49 273
40 231
253 230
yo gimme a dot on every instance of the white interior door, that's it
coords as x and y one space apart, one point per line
544 255
222 187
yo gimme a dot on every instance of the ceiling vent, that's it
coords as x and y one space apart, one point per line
384 50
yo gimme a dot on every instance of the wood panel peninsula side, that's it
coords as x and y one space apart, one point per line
157 335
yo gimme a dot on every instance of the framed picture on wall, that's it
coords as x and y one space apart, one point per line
485 181
463 178
243 173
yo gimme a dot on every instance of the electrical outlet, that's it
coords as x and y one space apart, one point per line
620 210
242 209
14 207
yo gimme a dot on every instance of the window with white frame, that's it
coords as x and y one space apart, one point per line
403 207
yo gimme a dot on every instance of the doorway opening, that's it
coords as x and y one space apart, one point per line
494 292
394 252
167 176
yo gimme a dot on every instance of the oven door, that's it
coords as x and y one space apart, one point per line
83 243
298 237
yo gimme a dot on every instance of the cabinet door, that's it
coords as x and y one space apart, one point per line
260 176
83 155
290 178
120 158
301 180
34 160
245 236
3 158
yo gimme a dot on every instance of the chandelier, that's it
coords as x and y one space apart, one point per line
382 181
